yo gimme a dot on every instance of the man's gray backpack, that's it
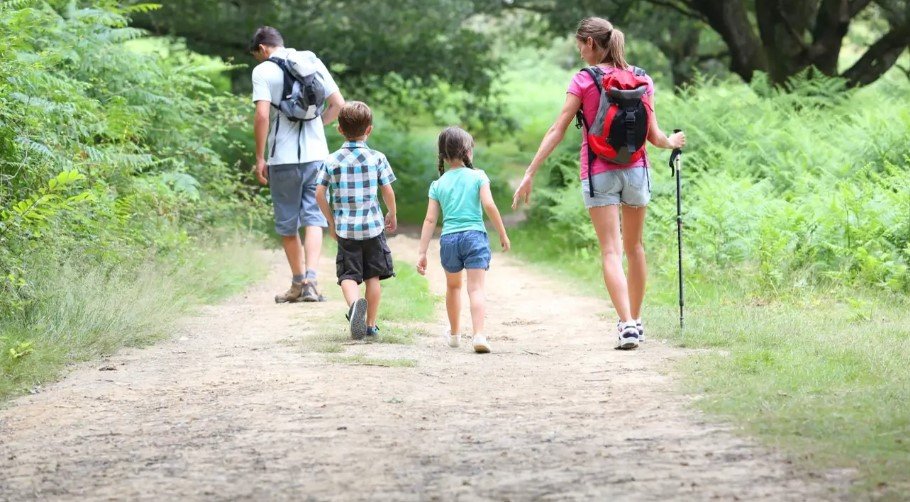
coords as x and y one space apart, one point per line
303 95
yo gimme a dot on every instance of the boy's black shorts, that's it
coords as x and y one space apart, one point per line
362 260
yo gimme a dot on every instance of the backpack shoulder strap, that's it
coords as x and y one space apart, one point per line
596 75
288 78
280 62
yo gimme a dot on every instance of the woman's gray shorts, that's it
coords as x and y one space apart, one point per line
630 186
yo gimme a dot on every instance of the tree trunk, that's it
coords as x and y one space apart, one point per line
730 19
831 25
783 46
782 25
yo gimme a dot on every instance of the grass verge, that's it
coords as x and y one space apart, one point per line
822 375
406 299
80 312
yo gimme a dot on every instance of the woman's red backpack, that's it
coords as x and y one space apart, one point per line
620 128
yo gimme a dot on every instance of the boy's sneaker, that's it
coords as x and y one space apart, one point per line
372 332
310 294
453 340
357 316
628 336
292 295
480 344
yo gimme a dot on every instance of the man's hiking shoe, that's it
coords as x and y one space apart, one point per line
628 337
372 332
310 294
291 295
357 316
453 340
480 344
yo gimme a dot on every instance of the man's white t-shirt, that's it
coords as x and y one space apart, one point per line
268 83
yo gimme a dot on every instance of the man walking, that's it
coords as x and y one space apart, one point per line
295 150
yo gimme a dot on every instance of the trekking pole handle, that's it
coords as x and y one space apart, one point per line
675 155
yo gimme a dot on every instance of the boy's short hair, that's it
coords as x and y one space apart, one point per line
354 119
267 36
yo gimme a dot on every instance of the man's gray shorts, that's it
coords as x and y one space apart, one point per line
630 186
293 189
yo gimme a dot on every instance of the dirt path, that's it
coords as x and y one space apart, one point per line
235 408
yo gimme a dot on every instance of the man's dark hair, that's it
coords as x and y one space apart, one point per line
267 36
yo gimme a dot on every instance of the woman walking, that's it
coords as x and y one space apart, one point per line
621 192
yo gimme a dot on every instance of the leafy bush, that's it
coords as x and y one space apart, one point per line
105 150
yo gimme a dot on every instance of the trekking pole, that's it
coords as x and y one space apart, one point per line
675 163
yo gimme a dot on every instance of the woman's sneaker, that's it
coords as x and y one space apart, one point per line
628 336
453 340
357 316
480 344
641 331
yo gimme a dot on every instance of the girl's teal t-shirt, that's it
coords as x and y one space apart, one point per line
458 194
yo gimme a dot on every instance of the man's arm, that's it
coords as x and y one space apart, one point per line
261 133
334 103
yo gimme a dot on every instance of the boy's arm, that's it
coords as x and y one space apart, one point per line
391 215
326 210
489 207
426 233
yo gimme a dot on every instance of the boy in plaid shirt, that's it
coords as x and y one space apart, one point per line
355 173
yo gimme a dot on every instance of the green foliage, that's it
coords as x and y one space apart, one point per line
104 150
418 56
109 158
808 185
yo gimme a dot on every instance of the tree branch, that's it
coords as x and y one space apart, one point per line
880 57
685 11
530 8
730 19
905 71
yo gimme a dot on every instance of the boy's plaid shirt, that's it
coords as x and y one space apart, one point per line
354 174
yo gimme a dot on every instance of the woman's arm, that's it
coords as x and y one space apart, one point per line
551 140
426 233
489 207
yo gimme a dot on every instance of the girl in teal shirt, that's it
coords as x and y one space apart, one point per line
460 193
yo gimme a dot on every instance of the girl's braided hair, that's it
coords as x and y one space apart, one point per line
454 144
